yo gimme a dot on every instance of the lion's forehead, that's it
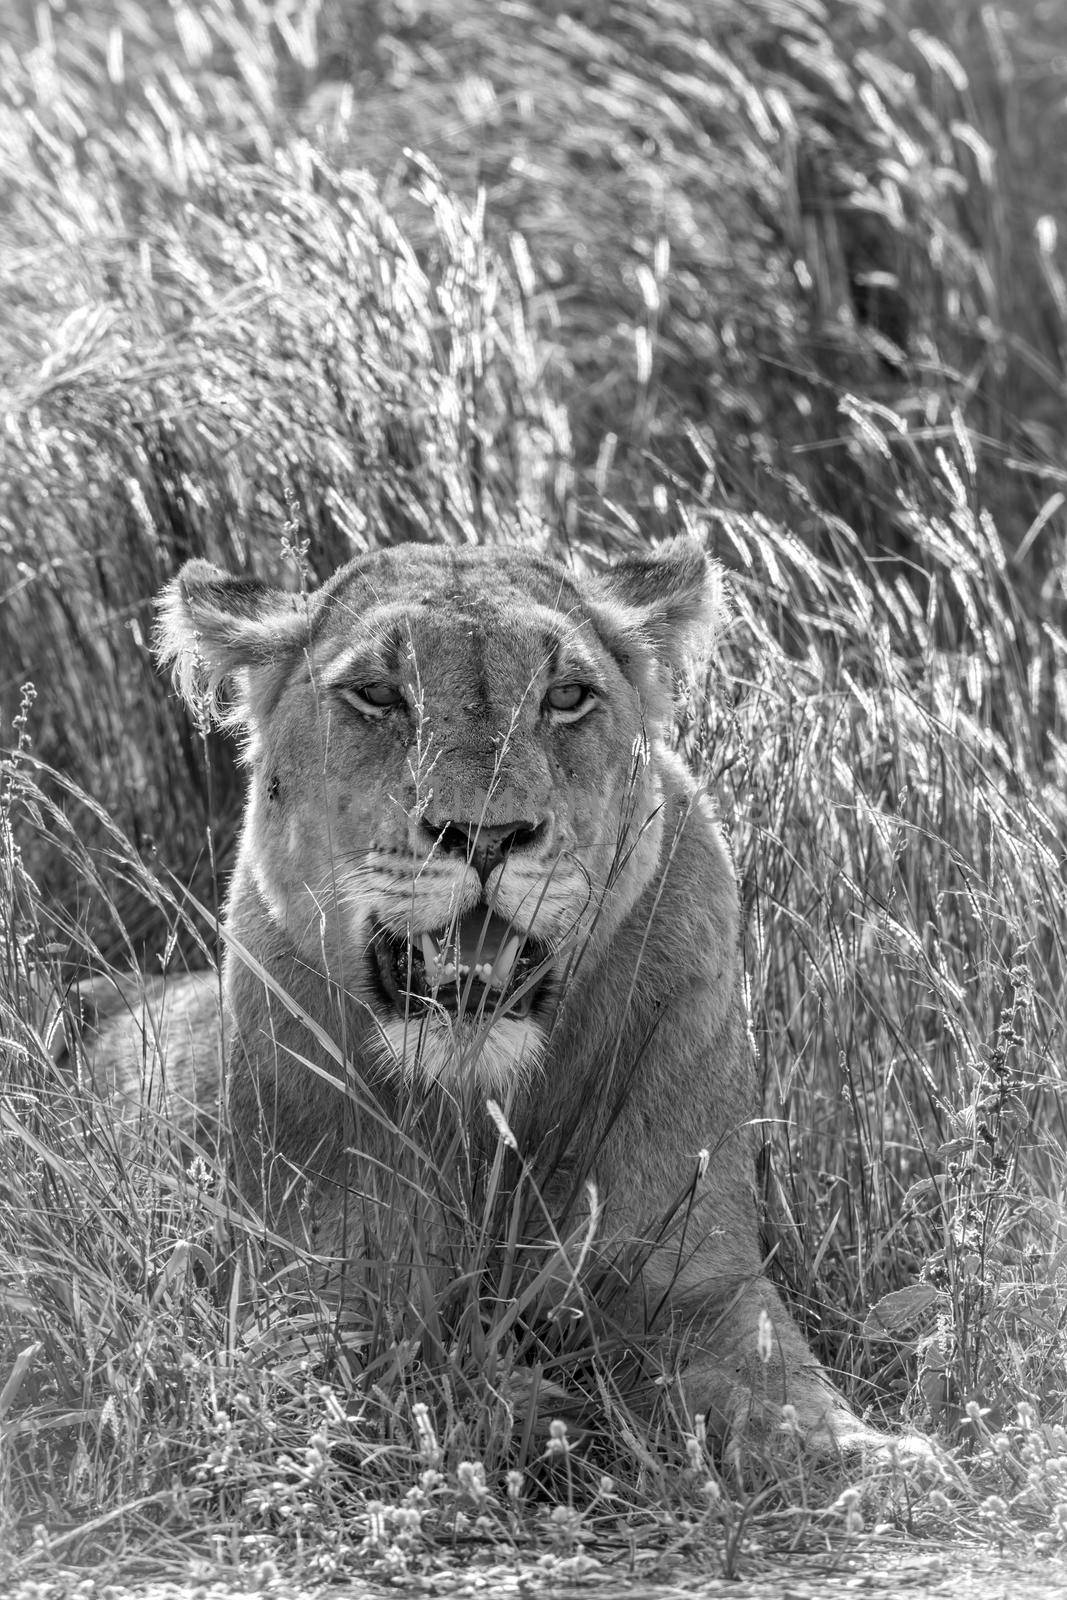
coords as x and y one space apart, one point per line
461 628
434 576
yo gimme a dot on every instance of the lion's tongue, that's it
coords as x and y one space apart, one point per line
486 944
482 938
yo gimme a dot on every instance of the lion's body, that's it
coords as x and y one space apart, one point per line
153 1045
471 870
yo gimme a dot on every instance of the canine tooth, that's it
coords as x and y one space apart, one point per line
429 952
504 965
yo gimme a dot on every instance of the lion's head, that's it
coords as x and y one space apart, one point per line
454 796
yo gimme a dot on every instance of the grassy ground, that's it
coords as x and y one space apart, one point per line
788 276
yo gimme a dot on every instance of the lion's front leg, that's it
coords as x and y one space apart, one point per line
743 1363
694 1274
748 1370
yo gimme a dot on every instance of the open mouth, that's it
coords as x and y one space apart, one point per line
479 966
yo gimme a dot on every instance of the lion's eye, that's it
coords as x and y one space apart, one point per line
375 699
569 699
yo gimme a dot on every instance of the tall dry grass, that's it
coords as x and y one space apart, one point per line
758 270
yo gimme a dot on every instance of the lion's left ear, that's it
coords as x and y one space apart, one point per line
671 600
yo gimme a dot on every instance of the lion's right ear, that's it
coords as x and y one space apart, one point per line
215 630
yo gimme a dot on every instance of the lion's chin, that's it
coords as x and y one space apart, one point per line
457 1052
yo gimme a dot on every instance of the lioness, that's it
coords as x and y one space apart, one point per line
472 871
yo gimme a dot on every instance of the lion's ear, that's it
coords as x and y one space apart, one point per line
215 630
671 599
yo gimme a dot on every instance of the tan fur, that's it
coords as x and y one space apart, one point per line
147 1043
352 1117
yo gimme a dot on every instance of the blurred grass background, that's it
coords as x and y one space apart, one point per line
280 281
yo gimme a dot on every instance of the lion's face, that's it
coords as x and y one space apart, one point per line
453 798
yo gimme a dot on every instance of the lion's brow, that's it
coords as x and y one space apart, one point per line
392 645
552 645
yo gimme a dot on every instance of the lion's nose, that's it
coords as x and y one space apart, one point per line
484 847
